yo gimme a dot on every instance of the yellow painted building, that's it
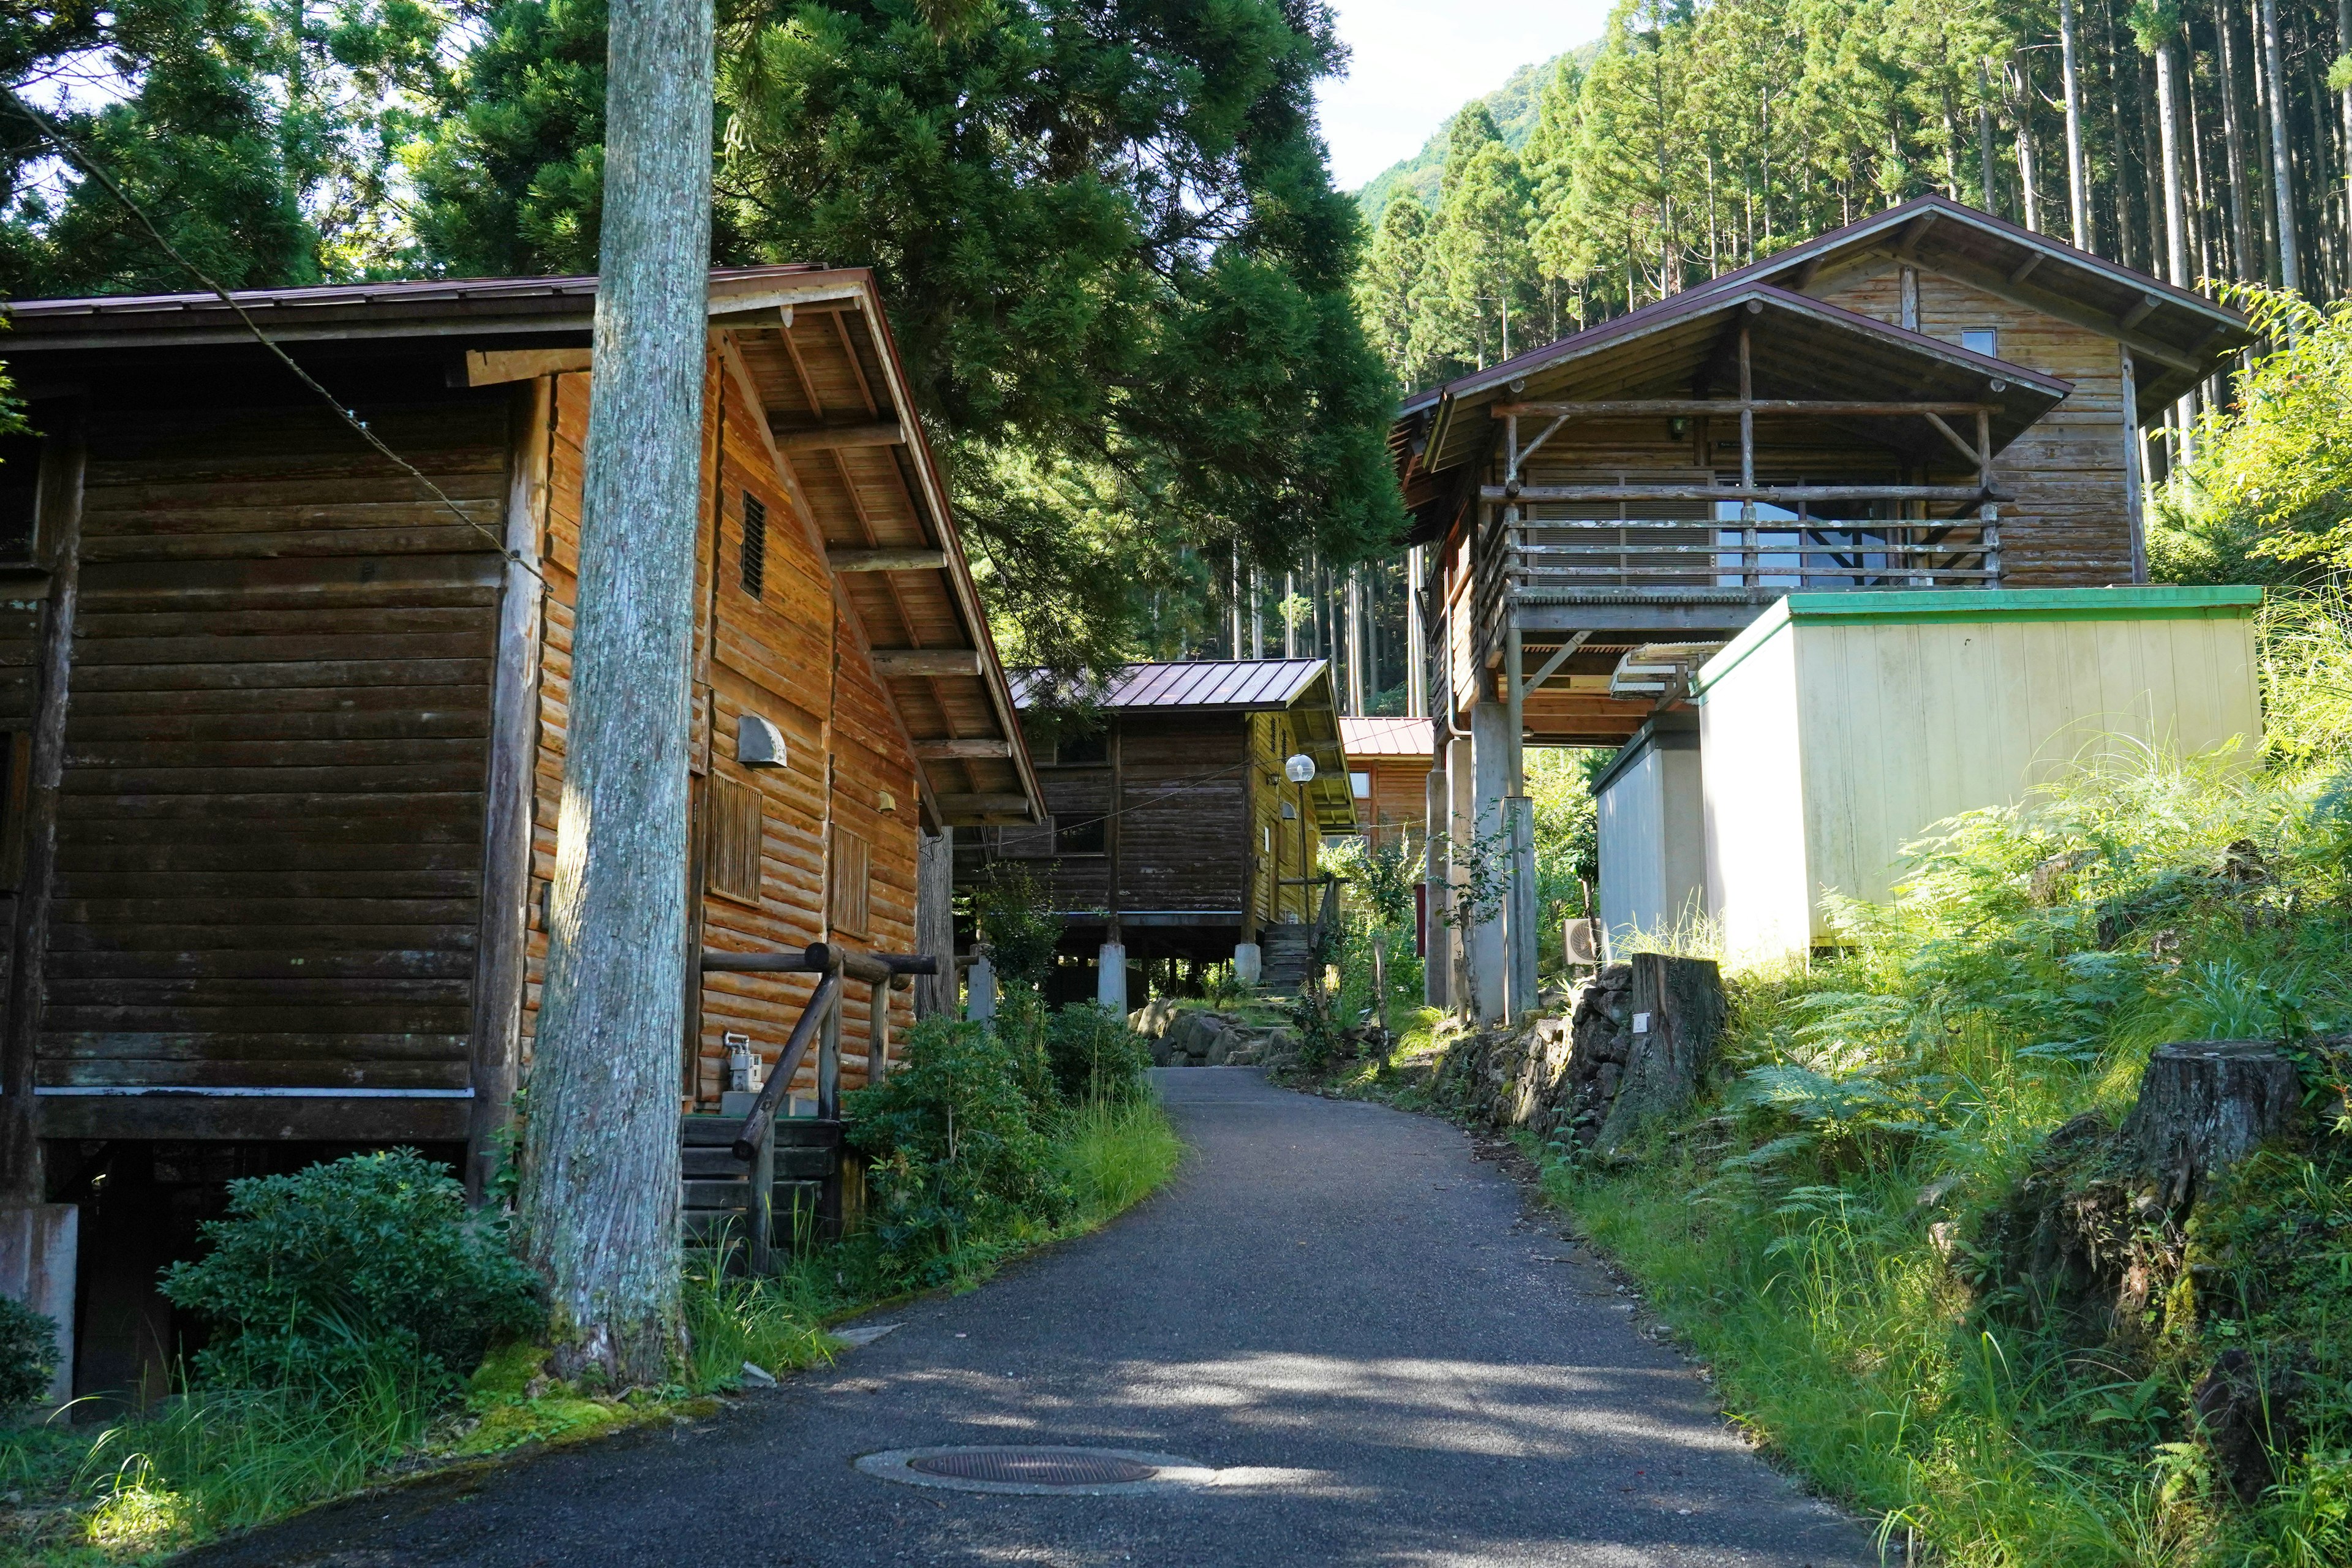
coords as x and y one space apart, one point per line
1838 726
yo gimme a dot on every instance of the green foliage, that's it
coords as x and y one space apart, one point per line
264 140
1115 1153
1093 1055
28 1355
962 1156
1567 830
1825 1234
1013 908
324 1277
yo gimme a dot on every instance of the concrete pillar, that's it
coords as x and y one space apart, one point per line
40 1244
979 990
1436 968
1248 963
1110 978
1520 914
1490 766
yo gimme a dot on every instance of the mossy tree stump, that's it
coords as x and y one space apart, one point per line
2204 1105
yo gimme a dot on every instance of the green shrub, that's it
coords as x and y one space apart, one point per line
963 1157
29 1355
322 1277
1093 1055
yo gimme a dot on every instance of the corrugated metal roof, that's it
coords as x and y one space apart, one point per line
1385 737
1238 684
391 294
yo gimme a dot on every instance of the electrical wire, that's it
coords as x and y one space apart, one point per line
73 152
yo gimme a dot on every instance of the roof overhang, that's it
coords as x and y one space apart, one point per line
1687 346
765 321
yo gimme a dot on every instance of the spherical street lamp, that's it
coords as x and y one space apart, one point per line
1299 769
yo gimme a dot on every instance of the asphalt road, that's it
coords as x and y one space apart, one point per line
1356 1324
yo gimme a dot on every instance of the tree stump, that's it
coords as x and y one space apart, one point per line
2204 1105
1677 1020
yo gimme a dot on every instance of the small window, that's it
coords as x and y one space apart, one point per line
1078 751
853 884
1362 784
1083 838
738 839
753 552
20 495
1982 340
1268 831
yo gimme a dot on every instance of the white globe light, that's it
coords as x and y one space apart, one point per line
1299 769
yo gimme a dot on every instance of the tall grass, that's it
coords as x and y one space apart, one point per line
1116 1152
1817 1234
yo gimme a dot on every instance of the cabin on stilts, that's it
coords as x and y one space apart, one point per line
1173 835
1928 401
287 738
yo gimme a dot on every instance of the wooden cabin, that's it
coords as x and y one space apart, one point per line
1387 773
297 725
1170 830
1928 399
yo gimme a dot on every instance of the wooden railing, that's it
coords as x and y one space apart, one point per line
1678 558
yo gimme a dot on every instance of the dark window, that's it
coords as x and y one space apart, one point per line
1075 749
20 495
755 545
1081 838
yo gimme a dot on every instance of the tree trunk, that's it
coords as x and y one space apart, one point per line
1677 1011
2167 120
2078 203
2344 112
2282 158
1988 188
2030 194
601 1198
2244 265
2204 1105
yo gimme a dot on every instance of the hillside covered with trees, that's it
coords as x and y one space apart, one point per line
2204 139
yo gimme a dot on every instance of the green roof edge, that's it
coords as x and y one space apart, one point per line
1847 608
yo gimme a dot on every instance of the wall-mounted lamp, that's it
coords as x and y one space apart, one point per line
1677 428
758 742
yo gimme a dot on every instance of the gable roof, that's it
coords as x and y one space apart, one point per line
809 346
2177 337
1231 685
1801 348
1387 738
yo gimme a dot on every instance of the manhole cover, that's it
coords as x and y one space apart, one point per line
1038 1469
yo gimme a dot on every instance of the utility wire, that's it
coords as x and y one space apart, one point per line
82 160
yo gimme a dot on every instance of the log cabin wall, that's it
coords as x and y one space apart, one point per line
2068 523
1183 801
269 833
847 796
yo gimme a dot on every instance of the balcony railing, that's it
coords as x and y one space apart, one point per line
1682 559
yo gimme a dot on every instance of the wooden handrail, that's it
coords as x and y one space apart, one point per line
754 1131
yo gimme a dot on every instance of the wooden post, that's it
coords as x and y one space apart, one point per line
58 535
935 921
1988 512
1750 577
2133 481
760 1209
878 1035
510 804
828 1109
1416 637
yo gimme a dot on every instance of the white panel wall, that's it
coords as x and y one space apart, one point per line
1758 887
1653 843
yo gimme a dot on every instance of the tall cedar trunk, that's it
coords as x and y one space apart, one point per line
2118 186
2078 203
2244 265
1990 191
2027 175
2199 201
601 1199
2281 160
2167 120
2344 111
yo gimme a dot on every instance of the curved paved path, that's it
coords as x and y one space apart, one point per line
1333 1301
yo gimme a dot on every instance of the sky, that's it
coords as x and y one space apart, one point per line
1417 62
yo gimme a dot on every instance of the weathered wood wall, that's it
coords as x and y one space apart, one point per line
269 837
790 656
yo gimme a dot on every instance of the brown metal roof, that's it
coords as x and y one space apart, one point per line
1247 685
1387 738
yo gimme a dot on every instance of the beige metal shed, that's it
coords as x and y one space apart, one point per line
1838 726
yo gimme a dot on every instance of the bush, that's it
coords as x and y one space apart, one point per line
962 1158
1093 1055
28 1355
322 1277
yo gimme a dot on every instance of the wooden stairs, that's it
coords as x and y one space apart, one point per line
802 1176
